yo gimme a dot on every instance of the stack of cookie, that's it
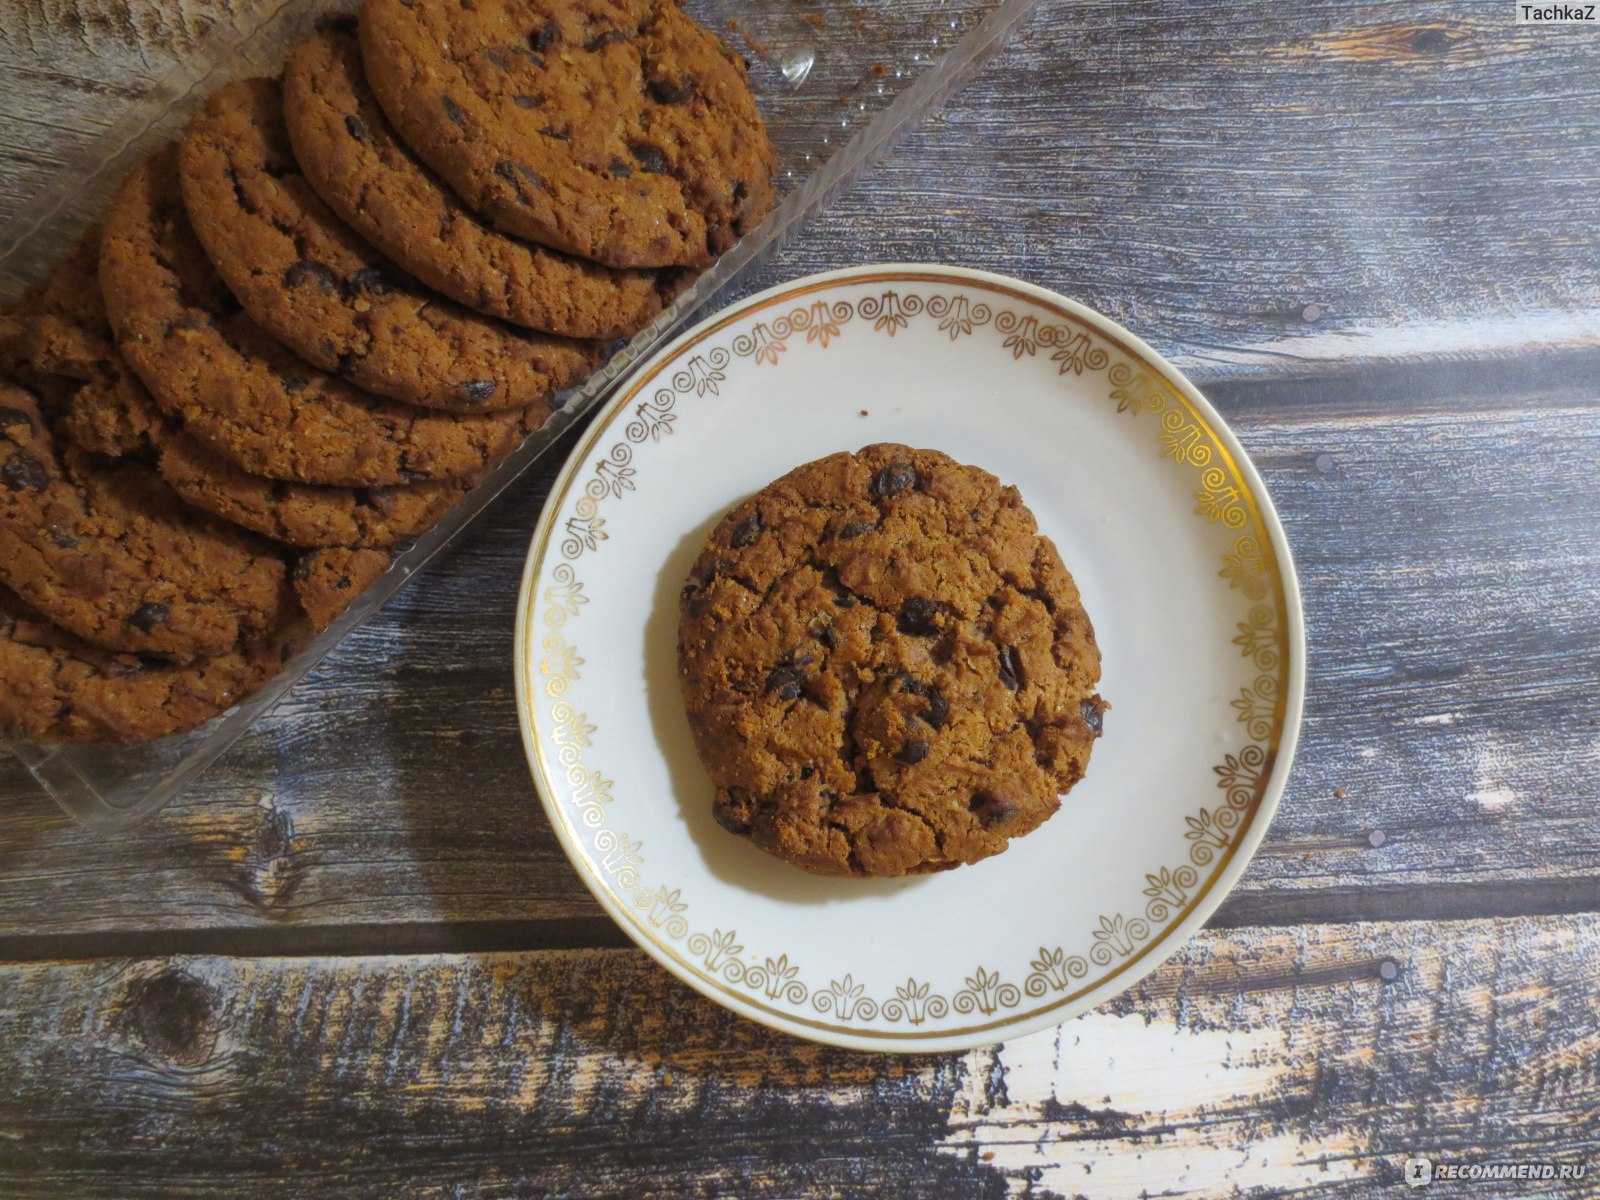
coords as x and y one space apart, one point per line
311 326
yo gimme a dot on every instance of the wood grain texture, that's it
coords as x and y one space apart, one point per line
1257 1057
1446 527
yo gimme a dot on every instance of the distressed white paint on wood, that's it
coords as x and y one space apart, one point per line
1270 1059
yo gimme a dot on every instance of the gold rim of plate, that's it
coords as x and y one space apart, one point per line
1221 835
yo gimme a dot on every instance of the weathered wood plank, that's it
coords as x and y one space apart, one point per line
1455 635
1254 188
1257 1058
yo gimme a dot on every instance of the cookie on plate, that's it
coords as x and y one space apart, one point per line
109 553
367 175
887 669
239 390
618 130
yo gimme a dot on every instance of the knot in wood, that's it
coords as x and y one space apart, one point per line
174 1015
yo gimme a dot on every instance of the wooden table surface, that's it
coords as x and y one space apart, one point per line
353 960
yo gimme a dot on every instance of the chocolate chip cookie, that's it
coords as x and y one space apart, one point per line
306 278
109 553
326 581
618 130
887 668
367 175
240 391
60 688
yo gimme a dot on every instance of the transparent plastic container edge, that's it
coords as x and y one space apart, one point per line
77 776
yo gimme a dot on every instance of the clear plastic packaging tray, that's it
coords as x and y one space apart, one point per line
838 81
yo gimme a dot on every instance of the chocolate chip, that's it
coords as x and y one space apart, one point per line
544 37
528 101
293 383
14 416
650 158
919 616
620 169
517 175
148 616
729 820
938 709
826 636
913 752
670 91
407 475
1093 711
453 111
1011 668
855 529
303 271
745 532
476 391
23 472
550 131
992 810
894 479
369 279
785 682
356 127
61 539
807 772
609 37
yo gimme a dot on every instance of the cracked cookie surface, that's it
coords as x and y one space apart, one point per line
234 387
307 279
618 130
370 178
887 669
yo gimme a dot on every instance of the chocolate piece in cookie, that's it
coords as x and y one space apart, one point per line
621 131
304 277
366 174
887 668
238 390
60 688
109 553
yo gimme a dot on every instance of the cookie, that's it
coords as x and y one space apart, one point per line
618 130
365 173
306 278
109 553
60 688
326 581
887 669
242 393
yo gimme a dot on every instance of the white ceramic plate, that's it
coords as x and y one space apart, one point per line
1158 514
